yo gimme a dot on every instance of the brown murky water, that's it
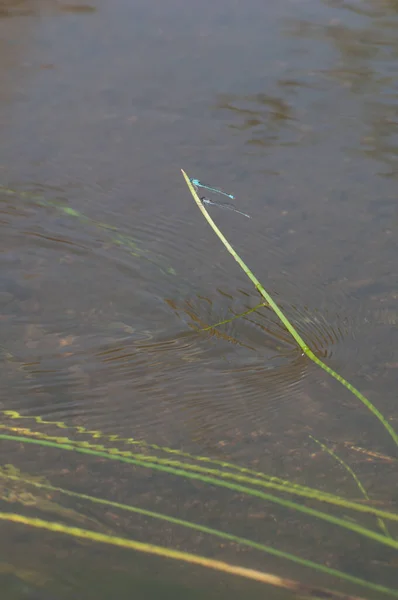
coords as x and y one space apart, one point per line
109 276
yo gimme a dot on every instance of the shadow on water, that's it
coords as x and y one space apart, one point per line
130 332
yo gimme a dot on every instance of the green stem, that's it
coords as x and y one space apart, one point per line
291 329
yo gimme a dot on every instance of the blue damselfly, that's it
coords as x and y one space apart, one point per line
197 184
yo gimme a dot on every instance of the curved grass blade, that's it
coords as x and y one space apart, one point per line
97 434
194 559
291 329
354 527
208 530
288 486
281 485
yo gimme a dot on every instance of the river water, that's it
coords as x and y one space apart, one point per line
110 279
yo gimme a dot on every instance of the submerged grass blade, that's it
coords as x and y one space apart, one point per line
363 491
291 329
247 312
128 242
353 527
97 434
194 559
208 530
266 481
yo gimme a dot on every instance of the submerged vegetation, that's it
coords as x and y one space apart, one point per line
199 468
115 236
360 517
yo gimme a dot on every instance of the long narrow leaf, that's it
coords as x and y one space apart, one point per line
291 329
354 527
208 530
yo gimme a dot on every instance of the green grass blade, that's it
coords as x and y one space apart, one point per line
354 527
291 329
267 481
297 587
352 473
259 479
209 530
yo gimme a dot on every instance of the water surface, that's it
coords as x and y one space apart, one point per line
109 274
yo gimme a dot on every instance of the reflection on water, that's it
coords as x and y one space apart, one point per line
15 8
28 8
129 329
268 119
367 51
